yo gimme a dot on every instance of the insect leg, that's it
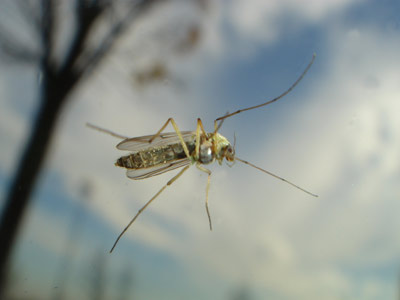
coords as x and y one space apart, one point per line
201 168
218 126
106 131
198 128
147 204
178 132
270 101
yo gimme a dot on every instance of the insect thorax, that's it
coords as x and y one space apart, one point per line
206 152
221 143
154 156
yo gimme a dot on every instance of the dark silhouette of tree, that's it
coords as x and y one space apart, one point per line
241 292
59 76
97 283
125 283
75 230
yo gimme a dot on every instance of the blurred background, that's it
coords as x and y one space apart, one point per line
130 65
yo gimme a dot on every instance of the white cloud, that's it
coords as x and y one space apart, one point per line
349 156
263 21
343 145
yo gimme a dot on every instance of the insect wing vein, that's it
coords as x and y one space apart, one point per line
142 142
138 174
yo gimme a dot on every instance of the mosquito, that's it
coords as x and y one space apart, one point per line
156 154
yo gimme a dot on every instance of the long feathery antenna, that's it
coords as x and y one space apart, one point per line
276 176
275 99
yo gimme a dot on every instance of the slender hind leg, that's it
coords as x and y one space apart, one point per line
106 131
201 168
178 132
148 203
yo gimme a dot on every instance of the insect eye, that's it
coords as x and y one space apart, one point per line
229 150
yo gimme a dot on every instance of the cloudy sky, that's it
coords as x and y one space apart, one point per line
337 135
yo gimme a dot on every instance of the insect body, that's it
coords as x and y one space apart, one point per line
162 152
166 152
153 157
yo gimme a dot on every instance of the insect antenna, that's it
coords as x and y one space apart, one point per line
273 100
276 176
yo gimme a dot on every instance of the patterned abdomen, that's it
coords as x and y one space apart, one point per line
154 156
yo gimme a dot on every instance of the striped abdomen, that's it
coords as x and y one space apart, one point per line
154 156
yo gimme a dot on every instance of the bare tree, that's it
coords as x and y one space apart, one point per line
59 77
97 284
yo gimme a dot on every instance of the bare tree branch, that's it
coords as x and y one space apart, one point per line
114 33
57 83
48 13
86 15
30 12
15 50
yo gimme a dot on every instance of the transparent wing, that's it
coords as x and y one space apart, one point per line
142 142
138 174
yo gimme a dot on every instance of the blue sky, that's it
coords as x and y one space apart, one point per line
337 135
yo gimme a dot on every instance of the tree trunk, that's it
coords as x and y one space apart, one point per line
17 200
